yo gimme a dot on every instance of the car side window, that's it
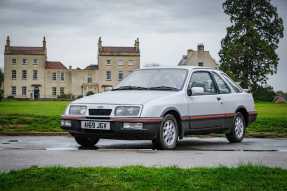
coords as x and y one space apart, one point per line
204 80
235 86
221 84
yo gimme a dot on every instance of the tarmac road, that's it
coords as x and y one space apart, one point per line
18 152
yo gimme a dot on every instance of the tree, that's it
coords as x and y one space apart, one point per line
1 77
1 83
248 49
265 93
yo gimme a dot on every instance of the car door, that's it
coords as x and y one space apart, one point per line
205 109
227 98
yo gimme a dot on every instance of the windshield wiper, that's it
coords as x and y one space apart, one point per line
130 88
163 88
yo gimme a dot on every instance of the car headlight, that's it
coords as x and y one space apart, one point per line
127 111
77 110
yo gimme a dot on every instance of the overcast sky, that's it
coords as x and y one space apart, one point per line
166 29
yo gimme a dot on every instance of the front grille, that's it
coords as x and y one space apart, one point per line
100 112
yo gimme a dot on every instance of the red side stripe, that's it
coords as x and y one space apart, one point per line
208 117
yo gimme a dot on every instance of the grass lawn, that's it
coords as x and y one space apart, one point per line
271 120
44 116
31 116
142 178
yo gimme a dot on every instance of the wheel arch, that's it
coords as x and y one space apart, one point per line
174 111
244 112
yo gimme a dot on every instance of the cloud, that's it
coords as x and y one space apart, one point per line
166 28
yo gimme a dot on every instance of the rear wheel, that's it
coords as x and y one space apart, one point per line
168 133
237 132
86 141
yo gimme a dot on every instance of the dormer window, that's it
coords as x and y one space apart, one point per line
200 64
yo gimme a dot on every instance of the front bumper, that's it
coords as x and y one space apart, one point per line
148 132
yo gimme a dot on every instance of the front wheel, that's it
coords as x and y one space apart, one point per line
237 131
168 133
86 141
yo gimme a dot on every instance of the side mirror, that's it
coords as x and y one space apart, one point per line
197 90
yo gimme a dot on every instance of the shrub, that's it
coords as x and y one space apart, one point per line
1 94
264 93
89 93
66 97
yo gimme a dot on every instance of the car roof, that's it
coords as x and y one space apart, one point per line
180 67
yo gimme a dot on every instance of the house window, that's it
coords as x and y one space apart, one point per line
14 61
90 79
108 75
54 91
58 75
54 76
35 61
120 62
131 62
24 61
120 76
62 76
14 74
13 90
24 91
35 74
62 91
200 64
109 62
24 74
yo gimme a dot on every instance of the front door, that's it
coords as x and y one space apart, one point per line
206 111
36 93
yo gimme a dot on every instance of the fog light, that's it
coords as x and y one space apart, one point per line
68 123
133 126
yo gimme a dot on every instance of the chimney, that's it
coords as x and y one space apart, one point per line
7 46
137 45
8 41
100 44
200 47
44 43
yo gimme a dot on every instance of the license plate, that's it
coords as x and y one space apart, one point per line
95 125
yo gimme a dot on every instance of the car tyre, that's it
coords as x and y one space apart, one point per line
168 133
86 141
237 131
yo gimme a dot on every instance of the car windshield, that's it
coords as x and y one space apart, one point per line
154 79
